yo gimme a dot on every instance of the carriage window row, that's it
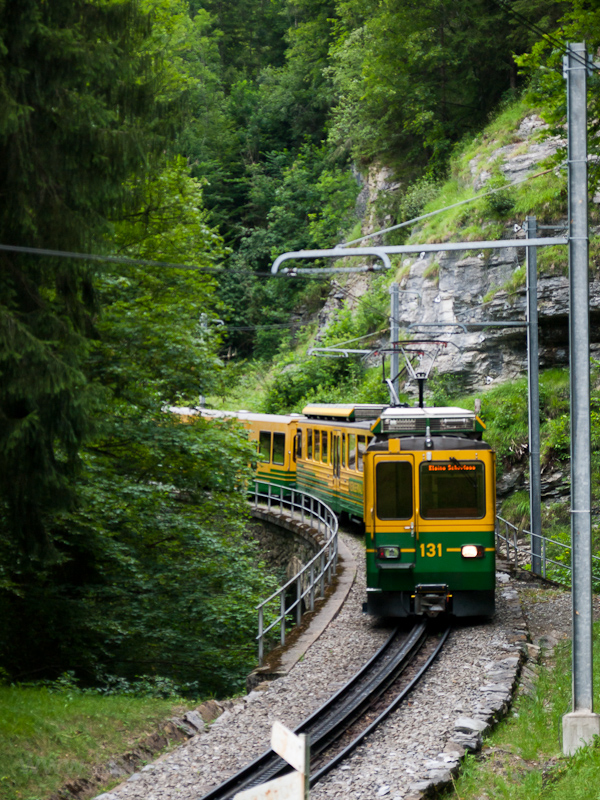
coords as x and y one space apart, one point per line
350 448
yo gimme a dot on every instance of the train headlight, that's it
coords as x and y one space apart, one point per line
388 552
472 551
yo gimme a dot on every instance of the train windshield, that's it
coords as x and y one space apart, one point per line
452 489
394 490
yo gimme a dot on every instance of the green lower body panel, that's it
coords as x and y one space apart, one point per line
431 576
339 500
405 604
276 477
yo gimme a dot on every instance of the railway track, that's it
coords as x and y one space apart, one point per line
353 712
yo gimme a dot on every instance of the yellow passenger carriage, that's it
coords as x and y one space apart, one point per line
331 444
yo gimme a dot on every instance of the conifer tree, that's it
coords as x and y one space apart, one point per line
76 118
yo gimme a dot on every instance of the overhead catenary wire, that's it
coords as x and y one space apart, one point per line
144 262
359 338
43 251
257 327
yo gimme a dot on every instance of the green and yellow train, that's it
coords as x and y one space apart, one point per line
421 479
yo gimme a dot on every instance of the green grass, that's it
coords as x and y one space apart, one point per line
516 281
432 272
522 759
500 132
504 411
48 738
515 509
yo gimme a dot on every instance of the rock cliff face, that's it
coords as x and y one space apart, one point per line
521 157
455 297
452 285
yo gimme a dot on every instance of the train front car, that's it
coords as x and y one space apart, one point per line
429 514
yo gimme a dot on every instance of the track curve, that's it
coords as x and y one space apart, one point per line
338 726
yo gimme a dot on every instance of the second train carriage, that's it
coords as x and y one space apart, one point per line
331 444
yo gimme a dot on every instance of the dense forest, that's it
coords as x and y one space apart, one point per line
184 144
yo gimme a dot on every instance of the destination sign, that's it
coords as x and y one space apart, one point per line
451 467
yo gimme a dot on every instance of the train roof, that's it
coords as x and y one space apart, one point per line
443 419
250 416
361 425
243 415
346 412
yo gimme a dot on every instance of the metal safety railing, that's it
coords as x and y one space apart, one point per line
519 549
315 575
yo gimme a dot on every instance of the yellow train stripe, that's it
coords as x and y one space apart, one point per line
490 549
370 551
408 550
453 549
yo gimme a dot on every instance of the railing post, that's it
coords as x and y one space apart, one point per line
322 571
322 519
298 599
335 556
515 532
544 556
261 644
531 535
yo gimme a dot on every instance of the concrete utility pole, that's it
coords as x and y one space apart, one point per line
395 357
535 479
581 725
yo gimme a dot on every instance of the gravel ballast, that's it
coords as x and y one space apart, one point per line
465 691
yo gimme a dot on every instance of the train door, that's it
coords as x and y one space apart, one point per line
336 463
394 512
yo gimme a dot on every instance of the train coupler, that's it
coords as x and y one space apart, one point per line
431 599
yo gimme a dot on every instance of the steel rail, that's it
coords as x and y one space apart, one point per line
386 712
330 729
344 708
241 777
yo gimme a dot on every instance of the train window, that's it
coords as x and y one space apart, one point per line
279 448
394 490
309 440
264 446
452 489
317 445
298 444
362 446
324 443
343 449
352 451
